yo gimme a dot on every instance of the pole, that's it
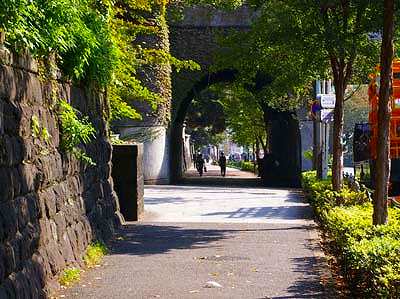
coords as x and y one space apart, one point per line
318 139
325 150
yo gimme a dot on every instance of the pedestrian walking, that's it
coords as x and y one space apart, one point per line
200 164
222 163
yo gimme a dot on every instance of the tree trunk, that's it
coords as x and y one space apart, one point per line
257 149
380 215
176 147
337 163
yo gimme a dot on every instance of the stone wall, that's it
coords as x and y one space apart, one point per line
51 205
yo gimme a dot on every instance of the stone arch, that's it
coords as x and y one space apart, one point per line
284 170
176 146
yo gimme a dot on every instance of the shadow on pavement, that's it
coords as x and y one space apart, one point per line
220 181
287 213
157 200
309 286
148 239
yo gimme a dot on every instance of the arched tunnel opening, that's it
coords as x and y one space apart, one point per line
281 165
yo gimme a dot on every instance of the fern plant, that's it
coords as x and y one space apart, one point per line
75 131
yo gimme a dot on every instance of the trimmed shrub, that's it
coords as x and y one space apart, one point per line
370 254
242 165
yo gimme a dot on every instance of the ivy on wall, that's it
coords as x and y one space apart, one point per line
93 41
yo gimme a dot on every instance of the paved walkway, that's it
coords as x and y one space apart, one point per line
253 242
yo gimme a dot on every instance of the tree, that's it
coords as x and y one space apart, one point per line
276 78
244 118
205 120
380 215
335 34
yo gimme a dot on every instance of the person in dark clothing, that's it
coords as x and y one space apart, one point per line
200 164
222 164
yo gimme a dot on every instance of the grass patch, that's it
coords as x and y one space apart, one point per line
94 254
70 276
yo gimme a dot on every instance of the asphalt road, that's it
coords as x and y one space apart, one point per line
252 242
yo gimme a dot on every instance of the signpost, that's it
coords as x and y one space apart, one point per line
327 115
326 102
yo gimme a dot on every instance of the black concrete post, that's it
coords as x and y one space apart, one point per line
127 174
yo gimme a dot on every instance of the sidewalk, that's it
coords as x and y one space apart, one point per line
231 242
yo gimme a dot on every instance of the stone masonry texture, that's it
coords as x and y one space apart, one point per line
51 204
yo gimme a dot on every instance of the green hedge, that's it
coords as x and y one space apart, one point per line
242 165
370 254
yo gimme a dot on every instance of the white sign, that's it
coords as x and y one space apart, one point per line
327 100
327 115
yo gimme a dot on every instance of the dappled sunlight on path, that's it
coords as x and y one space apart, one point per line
225 204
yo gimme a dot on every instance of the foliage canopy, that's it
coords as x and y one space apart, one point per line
93 41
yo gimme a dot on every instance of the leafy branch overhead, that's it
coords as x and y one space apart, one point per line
92 41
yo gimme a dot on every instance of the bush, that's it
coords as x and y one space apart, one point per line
370 254
242 165
70 276
94 254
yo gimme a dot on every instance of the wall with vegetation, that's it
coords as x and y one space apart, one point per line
53 202
151 128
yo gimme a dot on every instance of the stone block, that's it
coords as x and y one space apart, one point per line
33 207
25 61
45 232
21 206
6 186
56 260
47 199
53 230
9 289
9 219
33 279
8 85
3 292
2 265
16 151
66 248
62 193
74 183
28 175
11 259
16 181
61 224
5 150
21 285
29 241
42 266
74 243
